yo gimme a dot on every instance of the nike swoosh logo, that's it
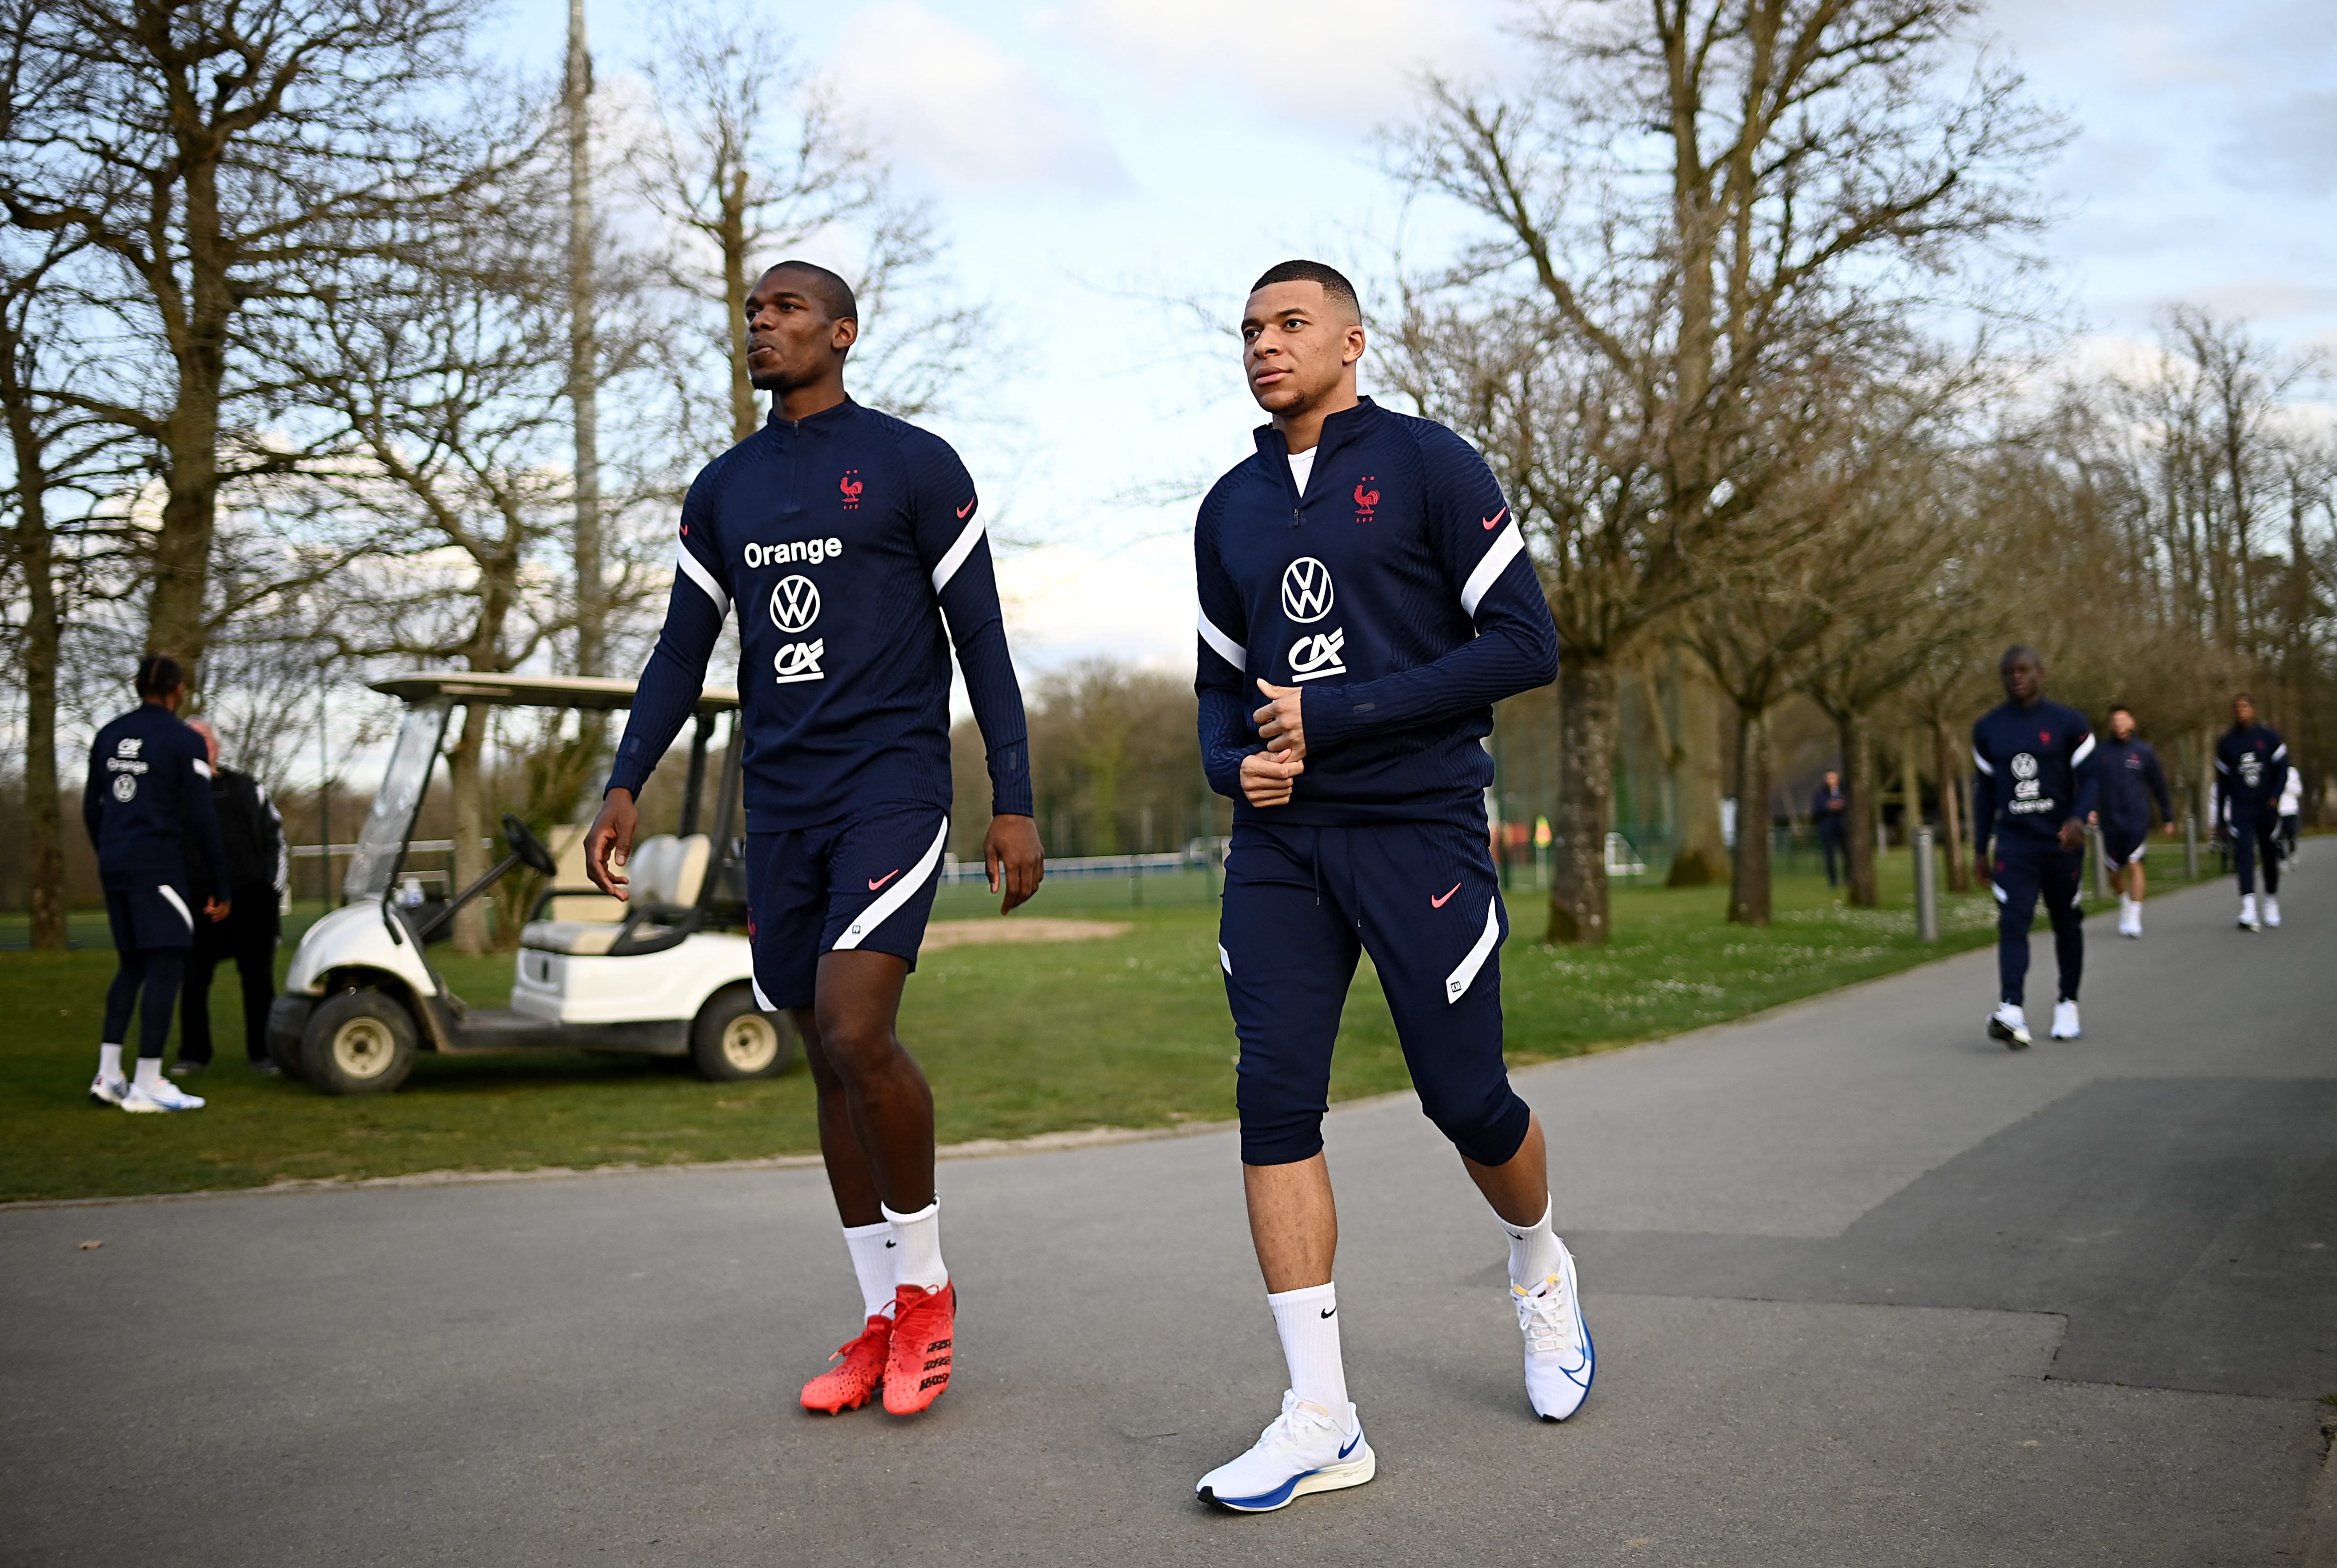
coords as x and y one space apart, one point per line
1329 1311
1350 1448
1441 903
1495 519
884 878
892 1243
964 509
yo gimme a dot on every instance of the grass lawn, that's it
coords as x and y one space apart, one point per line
1129 1032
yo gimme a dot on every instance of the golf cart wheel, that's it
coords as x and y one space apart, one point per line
734 1039
358 1043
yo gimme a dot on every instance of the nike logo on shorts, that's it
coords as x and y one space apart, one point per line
1441 903
880 881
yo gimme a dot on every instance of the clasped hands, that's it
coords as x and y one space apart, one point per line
1267 776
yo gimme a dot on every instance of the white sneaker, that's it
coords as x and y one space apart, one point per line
1560 1358
1307 1449
104 1091
2064 1021
2248 921
163 1096
2271 910
2009 1024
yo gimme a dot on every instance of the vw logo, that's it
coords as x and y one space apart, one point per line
2024 766
795 603
1306 590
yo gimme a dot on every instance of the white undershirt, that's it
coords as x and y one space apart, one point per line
1302 463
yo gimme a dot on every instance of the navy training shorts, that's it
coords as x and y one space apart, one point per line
2124 843
865 883
148 915
1424 901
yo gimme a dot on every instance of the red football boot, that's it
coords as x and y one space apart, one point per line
923 1323
860 1368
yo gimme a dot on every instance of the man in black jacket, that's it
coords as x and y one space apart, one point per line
253 833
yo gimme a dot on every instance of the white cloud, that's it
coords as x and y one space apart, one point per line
1352 59
1069 601
964 110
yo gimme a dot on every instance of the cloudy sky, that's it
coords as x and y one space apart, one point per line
1096 158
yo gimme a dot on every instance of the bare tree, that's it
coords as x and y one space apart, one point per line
1691 207
216 154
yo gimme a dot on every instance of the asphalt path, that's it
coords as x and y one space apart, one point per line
1866 1290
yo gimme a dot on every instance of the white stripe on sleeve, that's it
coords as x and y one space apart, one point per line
2085 750
1226 648
899 893
1507 544
2280 752
695 570
1457 984
1982 763
966 541
202 768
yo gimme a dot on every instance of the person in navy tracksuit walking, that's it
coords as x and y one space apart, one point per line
1366 598
149 792
2250 773
2131 781
2034 789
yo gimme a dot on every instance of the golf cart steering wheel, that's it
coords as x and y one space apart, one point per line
528 847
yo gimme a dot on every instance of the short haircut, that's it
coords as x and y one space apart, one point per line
834 294
2243 697
1336 287
2121 708
158 675
2017 651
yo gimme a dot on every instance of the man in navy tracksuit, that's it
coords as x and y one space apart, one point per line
2131 780
2035 789
149 792
849 541
2251 772
1366 597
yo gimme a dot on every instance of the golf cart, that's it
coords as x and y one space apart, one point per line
667 973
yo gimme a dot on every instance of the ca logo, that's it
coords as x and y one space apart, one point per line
799 661
795 603
1306 590
1316 655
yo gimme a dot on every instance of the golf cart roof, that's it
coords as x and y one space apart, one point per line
587 692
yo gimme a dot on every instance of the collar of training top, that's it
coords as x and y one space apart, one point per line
1338 429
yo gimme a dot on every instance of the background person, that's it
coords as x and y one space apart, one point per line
2292 806
2034 791
2250 773
258 875
149 794
1829 810
2131 779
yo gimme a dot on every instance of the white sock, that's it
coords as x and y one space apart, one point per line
150 1072
1308 1322
871 1250
1533 1249
109 1063
2125 902
917 1255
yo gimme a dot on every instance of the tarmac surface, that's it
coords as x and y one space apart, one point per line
1866 1290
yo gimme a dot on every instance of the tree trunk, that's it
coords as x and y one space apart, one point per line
43 818
197 319
465 772
1859 818
1699 849
1950 764
745 417
1748 884
1586 742
583 357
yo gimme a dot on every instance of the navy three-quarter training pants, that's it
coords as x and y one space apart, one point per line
1424 901
2255 834
2024 872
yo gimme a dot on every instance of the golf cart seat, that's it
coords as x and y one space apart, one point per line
666 873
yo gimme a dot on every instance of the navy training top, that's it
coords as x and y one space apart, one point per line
149 792
1396 593
2131 779
2034 772
2251 767
845 539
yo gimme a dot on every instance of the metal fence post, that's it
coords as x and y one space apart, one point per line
2191 845
1927 890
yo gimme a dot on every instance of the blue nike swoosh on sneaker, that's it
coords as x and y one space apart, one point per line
1350 1448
